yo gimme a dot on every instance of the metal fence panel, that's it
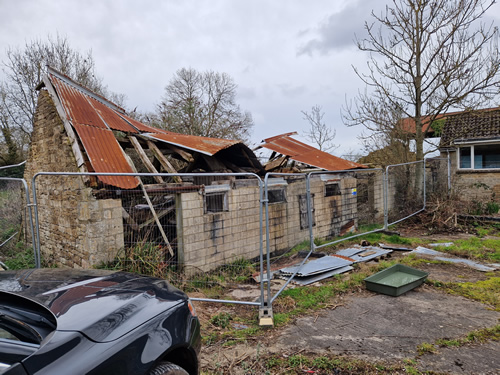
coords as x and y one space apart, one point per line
16 223
214 234
334 206
205 235
405 191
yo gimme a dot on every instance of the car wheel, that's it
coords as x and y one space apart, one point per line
167 368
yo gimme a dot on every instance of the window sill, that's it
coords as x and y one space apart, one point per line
491 170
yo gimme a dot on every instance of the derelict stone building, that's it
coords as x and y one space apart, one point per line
200 220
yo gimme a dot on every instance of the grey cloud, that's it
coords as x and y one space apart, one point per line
338 31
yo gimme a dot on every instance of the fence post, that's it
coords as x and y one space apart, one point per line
265 310
386 195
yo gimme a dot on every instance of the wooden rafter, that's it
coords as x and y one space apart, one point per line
145 159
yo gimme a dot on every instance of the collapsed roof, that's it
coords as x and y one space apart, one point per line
286 148
100 131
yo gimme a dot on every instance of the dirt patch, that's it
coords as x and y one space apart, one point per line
456 273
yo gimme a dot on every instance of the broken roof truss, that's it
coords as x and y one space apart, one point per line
103 137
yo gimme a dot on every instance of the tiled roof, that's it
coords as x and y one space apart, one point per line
301 152
471 125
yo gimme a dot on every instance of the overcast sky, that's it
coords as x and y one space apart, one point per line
285 56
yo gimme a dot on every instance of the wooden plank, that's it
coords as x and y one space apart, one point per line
157 219
164 161
80 161
151 207
183 154
163 213
144 158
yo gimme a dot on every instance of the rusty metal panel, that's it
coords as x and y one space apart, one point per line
306 154
142 127
111 118
204 145
106 155
77 107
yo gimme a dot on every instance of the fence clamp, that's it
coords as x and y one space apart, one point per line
266 316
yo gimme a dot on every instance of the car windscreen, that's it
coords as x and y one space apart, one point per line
24 320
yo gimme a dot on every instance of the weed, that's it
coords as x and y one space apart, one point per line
221 320
492 208
20 259
425 347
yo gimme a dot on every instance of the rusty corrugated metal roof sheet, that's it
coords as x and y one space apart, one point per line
106 155
93 122
301 152
94 118
204 145
77 107
142 127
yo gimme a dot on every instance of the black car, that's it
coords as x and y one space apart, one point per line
69 322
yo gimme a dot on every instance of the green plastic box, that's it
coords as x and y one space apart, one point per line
395 280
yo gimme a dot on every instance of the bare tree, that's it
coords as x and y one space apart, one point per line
426 57
319 133
24 69
203 104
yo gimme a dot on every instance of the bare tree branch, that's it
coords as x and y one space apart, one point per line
319 133
425 58
203 104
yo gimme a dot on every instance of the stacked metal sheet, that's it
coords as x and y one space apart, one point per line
317 269
363 253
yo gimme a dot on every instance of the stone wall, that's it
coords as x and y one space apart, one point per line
208 240
76 230
475 185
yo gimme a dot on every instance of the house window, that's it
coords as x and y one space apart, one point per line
479 157
332 189
276 195
216 198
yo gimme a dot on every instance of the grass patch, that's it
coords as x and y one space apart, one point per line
486 291
426 347
320 364
474 337
20 258
475 248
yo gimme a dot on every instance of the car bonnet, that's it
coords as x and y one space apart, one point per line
102 305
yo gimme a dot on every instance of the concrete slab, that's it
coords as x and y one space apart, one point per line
381 327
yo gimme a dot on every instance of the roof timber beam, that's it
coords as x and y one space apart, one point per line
145 159
80 160
163 161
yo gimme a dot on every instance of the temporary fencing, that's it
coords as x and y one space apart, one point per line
16 221
204 235
219 237
405 191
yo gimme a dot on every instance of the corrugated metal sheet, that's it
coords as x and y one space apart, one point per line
106 155
94 117
141 127
301 152
111 118
93 122
77 107
204 145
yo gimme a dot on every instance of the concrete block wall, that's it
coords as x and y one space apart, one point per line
76 230
208 240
